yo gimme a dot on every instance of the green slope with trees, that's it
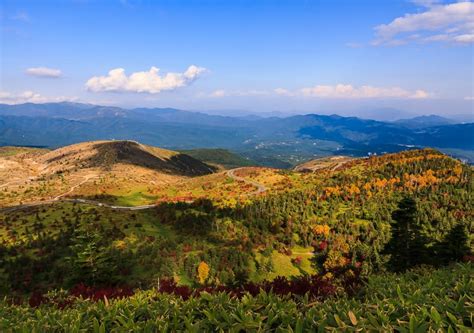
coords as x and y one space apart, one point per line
220 157
371 216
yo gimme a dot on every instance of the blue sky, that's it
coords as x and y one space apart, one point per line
349 57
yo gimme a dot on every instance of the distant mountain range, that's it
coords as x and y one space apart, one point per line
272 141
425 121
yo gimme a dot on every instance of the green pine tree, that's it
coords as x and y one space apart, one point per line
90 262
454 246
407 245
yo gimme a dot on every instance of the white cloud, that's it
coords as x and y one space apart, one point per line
442 23
420 94
143 82
223 93
218 93
338 91
466 38
469 98
31 97
44 72
349 91
283 92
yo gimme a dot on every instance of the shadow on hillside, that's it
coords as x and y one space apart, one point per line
195 218
130 152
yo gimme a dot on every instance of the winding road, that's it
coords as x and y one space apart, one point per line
79 201
260 187
60 198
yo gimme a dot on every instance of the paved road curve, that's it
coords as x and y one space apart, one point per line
260 187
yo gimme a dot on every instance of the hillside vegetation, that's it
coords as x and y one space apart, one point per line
326 163
423 300
304 223
220 157
244 239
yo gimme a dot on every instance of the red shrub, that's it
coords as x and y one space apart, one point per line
323 245
98 293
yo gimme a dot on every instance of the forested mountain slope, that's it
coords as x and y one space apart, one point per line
304 223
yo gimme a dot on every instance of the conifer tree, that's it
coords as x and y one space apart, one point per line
454 246
407 245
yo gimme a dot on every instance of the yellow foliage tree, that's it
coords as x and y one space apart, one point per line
322 230
203 272
353 189
458 170
329 191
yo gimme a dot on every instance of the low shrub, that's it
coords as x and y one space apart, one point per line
419 300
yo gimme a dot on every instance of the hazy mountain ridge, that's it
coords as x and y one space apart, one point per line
289 140
425 121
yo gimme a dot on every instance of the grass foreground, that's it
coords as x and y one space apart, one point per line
419 300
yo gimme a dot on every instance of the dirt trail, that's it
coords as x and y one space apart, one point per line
338 165
85 180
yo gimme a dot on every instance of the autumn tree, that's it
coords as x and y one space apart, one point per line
203 272
321 230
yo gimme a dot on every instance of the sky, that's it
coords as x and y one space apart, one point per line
363 58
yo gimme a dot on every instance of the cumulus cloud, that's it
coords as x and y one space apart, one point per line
44 72
31 97
452 23
349 91
143 82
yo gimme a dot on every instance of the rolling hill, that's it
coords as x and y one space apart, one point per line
107 154
95 168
